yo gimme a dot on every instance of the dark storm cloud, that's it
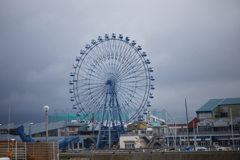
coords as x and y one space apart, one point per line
193 46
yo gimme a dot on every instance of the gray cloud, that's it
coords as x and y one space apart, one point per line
193 46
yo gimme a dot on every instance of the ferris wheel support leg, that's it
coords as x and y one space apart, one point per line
120 118
101 123
109 126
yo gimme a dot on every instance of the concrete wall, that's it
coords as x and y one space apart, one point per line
207 155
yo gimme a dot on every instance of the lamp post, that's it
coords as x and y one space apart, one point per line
30 130
46 109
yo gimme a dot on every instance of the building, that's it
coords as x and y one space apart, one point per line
219 108
218 123
57 131
222 131
179 124
131 141
177 131
137 127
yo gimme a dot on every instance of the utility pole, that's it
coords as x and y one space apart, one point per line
167 131
187 121
232 126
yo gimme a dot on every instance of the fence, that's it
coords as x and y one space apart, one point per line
30 150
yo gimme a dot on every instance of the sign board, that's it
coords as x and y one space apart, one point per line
71 129
154 124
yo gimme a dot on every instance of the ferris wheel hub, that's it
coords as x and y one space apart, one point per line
109 82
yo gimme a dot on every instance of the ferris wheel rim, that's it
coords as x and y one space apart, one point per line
80 63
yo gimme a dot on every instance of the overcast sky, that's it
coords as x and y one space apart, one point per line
194 47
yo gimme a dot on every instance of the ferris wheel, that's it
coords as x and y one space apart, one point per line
111 83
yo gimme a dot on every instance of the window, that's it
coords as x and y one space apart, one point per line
70 145
80 145
205 115
215 115
129 145
223 109
223 112
179 130
52 133
204 128
239 111
75 146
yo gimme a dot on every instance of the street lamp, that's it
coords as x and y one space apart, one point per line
30 130
46 108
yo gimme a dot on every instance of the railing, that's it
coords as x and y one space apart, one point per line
218 132
30 150
134 134
74 124
202 132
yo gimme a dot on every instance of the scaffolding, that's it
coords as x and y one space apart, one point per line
68 117
161 114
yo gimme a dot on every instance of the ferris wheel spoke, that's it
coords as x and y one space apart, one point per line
90 102
126 61
120 57
123 100
132 69
103 55
129 57
93 104
126 100
84 85
130 76
110 55
88 92
116 54
97 76
134 95
108 50
81 75
141 88
127 69
89 61
141 80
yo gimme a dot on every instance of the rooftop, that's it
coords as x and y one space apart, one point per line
180 120
213 103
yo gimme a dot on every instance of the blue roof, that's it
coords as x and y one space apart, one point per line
180 120
213 103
